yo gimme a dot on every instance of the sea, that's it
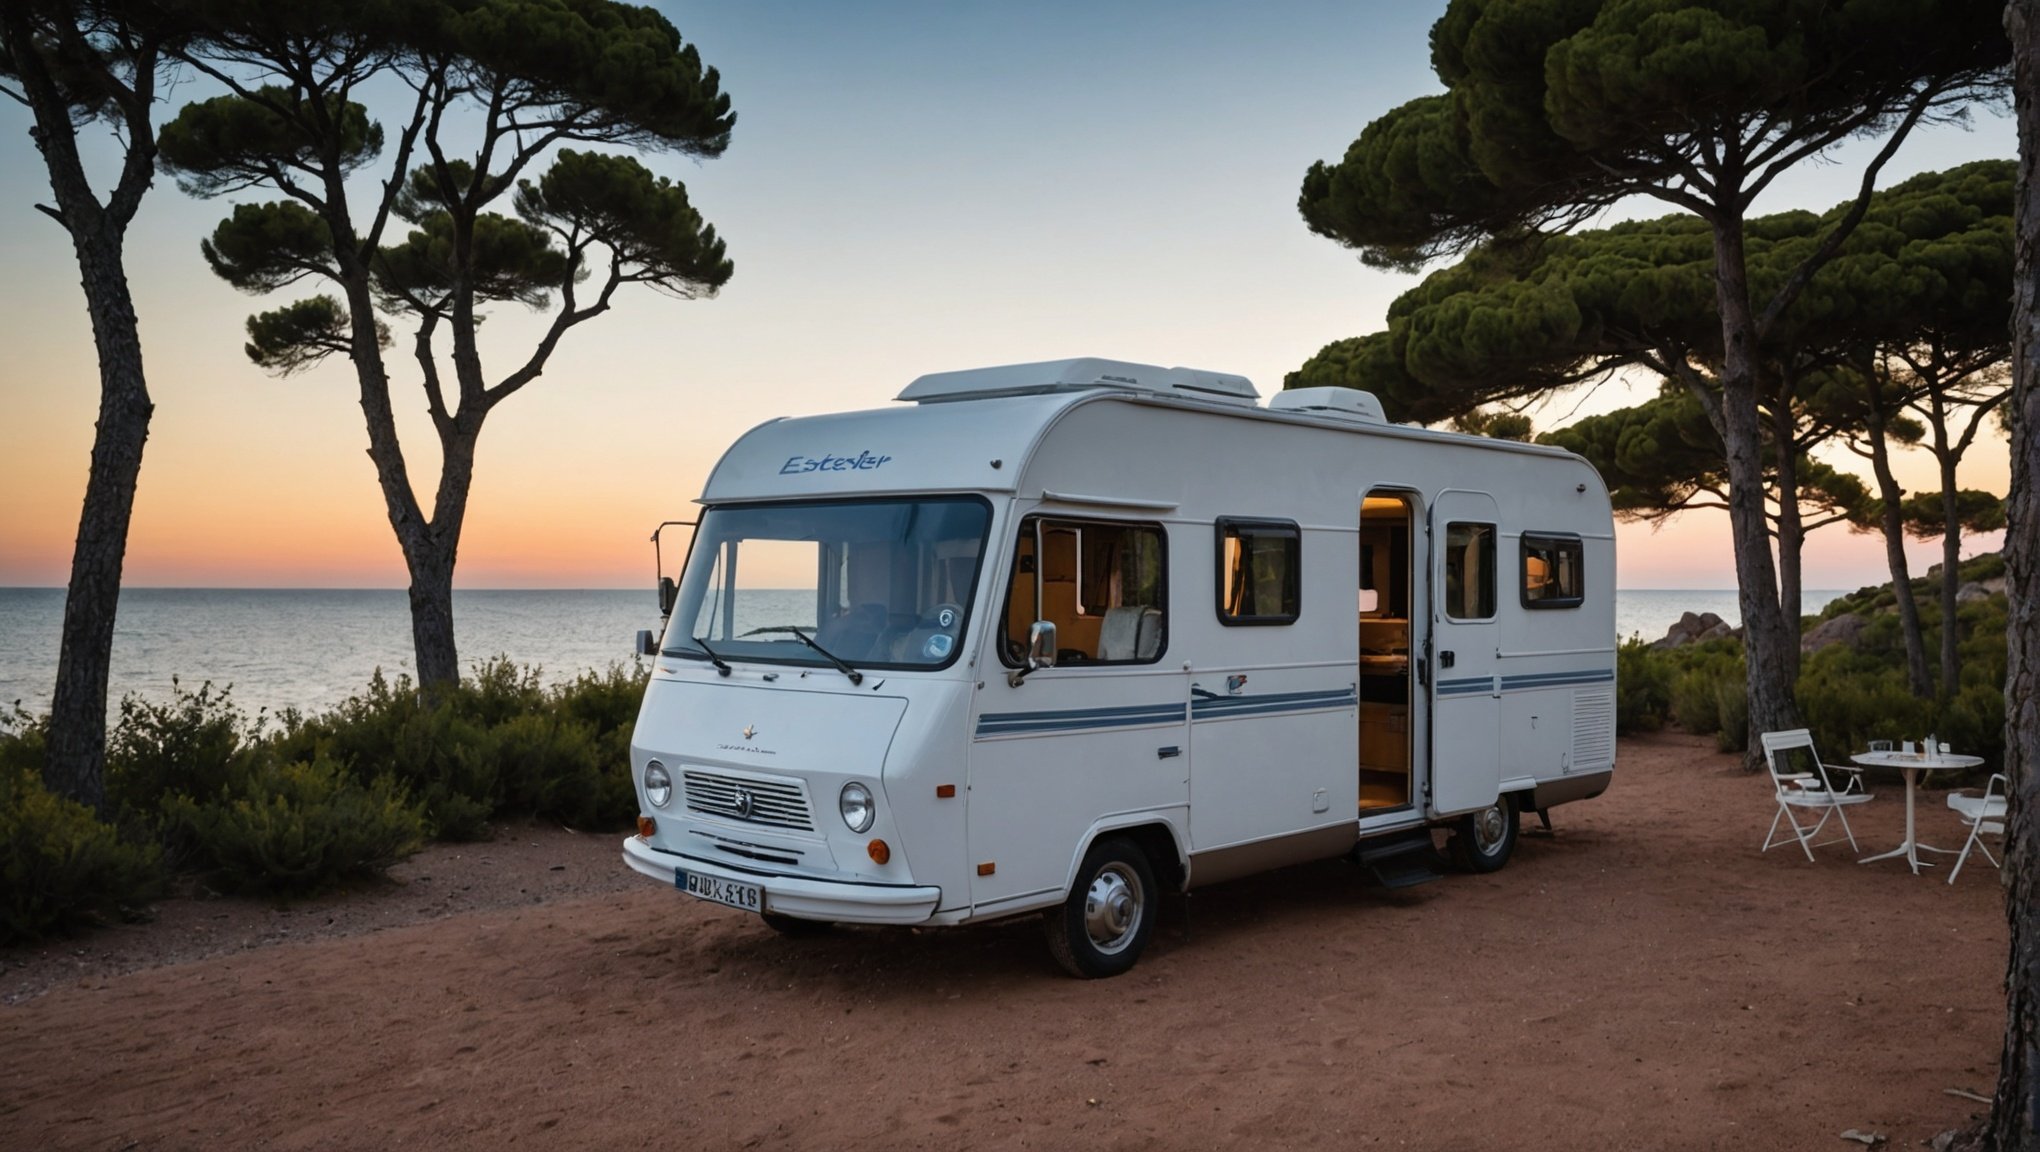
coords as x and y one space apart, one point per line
310 649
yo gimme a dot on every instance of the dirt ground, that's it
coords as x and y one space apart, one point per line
1643 978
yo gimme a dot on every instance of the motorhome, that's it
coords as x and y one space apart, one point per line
1059 638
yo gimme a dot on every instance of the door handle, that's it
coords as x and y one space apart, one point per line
1445 658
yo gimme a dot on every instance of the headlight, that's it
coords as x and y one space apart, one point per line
658 785
858 810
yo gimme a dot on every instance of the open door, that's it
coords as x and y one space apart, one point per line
1466 686
1390 619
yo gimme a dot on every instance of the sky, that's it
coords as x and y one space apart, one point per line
912 187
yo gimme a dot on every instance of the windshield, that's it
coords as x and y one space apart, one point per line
875 583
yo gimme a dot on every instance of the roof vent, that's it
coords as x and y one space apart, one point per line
1349 404
1077 375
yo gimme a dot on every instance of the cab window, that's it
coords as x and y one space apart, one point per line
1103 584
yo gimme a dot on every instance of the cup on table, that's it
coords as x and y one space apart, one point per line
1944 748
1909 748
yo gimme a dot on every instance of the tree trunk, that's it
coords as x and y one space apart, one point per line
75 762
432 618
430 554
2014 1121
1917 677
1951 576
1791 536
1766 637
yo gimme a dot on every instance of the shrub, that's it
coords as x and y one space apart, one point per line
60 866
497 690
300 827
1732 713
444 758
1643 688
198 744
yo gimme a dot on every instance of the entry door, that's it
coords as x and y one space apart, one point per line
1466 687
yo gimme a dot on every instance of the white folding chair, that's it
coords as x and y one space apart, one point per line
1807 792
1985 816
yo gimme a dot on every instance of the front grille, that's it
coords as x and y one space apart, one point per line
779 804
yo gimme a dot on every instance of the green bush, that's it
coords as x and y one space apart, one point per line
59 866
295 828
1643 688
315 799
444 758
197 744
499 742
1731 713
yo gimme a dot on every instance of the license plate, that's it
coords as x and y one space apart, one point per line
749 897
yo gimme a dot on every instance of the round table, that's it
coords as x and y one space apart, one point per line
1912 764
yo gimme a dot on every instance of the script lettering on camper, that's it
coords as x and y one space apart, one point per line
864 461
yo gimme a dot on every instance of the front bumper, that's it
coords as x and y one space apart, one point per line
829 900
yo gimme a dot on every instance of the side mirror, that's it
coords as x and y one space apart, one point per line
1041 645
667 591
1040 651
647 643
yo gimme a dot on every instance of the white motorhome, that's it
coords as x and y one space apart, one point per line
1057 638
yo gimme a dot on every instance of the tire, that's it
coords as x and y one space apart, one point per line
794 927
1483 841
1102 928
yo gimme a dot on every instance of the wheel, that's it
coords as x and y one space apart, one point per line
793 926
1103 926
1483 840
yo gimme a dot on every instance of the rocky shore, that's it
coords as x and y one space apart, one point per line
1844 628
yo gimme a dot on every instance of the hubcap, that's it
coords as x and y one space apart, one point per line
1112 908
1489 829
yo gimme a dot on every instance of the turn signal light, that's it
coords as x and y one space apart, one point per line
945 791
879 850
646 826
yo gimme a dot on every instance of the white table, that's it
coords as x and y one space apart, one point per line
1912 764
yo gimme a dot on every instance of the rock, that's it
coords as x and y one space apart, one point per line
1970 593
1995 585
1693 628
1846 629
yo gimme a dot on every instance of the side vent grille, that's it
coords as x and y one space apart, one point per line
1593 728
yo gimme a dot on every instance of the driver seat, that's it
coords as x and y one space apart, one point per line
854 634
1131 632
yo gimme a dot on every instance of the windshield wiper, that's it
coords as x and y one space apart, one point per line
721 666
842 666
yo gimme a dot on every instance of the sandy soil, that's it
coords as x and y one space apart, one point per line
1641 979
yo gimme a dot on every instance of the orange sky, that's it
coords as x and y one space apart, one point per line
903 196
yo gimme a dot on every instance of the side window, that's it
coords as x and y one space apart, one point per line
1260 572
1553 571
1102 584
1469 571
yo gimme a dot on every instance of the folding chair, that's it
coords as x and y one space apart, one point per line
1807 792
1985 816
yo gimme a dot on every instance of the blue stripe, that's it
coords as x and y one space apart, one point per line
1276 708
1078 719
1554 679
1080 713
1463 687
1274 702
1526 682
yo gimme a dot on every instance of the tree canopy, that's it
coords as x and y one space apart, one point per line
490 194
1556 109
